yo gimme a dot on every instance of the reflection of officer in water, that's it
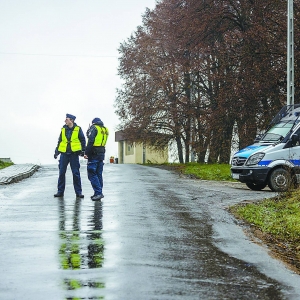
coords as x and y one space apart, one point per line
96 245
72 251
70 247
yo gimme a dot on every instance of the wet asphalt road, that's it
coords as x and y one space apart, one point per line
154 236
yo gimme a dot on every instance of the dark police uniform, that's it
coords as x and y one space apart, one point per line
95 151
71 144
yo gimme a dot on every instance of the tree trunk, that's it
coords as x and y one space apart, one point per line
179 149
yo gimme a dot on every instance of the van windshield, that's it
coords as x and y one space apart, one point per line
278 132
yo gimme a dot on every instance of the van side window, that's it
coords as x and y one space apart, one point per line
297 142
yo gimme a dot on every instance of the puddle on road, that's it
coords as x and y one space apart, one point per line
80 250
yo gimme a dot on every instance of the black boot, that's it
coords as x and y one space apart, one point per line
97 197
58 195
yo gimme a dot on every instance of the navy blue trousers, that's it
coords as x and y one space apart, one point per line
73 160
95 170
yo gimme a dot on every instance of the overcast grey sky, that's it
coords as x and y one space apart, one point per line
58 57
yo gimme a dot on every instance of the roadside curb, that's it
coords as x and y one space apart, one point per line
16 173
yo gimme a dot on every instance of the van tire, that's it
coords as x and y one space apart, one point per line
256 187
280 180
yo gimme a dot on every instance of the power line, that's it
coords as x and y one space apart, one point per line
58 55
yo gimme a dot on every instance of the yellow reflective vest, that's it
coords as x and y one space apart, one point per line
101 137
74 141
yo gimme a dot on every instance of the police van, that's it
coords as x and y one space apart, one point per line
274 158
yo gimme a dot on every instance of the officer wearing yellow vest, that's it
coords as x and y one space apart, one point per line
71 144
95 153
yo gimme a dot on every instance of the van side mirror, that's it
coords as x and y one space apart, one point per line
295 139
258 138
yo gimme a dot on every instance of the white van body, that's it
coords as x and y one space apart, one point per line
274 158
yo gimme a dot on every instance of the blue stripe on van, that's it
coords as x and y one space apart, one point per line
264 163
295 162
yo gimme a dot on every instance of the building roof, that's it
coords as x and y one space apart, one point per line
119 136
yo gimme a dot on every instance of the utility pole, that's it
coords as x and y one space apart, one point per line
290 53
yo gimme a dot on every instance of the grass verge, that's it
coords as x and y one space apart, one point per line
219 172
276 222
5 164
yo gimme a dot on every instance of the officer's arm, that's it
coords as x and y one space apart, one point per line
82 139
91 140
56 149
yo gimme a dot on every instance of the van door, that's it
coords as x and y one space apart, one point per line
294 156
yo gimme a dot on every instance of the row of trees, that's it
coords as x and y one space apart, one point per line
196 69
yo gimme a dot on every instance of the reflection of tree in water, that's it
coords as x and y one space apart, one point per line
78 249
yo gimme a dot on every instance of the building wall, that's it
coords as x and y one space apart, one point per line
156 157
137 154
121 152
6 159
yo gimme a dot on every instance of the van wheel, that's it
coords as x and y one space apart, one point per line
256 187
280 180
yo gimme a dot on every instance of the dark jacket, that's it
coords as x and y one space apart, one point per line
91 151
68 135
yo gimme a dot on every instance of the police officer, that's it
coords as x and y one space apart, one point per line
71 144
95 153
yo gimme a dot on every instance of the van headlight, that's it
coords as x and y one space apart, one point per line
255 159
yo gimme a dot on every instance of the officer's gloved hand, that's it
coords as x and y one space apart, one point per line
81 153
55 156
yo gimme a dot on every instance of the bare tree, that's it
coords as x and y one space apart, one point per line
196 69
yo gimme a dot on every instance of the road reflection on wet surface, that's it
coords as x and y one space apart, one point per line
155 235
79 249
